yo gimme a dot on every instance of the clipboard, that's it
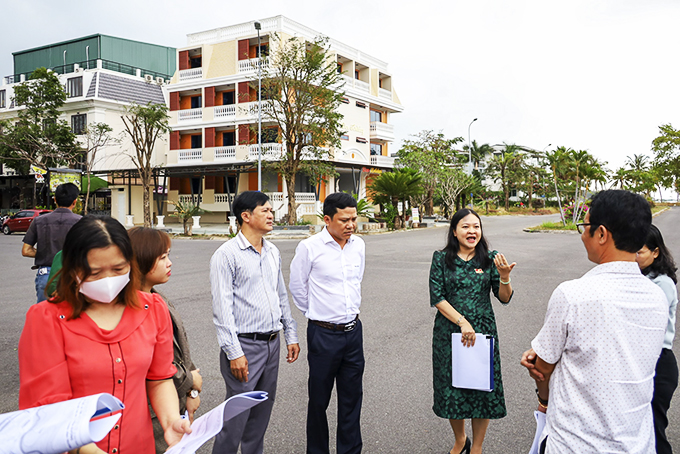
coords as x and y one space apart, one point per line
472 367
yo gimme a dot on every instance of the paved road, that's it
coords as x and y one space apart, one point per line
397 415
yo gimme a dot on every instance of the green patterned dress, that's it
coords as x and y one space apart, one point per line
467 289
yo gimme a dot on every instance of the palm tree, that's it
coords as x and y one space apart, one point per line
639 167
558 161
397 186
478 152
620 178
505 168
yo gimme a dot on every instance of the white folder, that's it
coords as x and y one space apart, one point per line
472 367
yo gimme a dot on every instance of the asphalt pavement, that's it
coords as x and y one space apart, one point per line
397 415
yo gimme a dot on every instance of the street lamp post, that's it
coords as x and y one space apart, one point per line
470 148
259 108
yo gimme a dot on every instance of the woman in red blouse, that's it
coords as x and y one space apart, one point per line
100 334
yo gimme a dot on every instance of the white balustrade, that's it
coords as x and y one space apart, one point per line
252 64
188 198
224 198
225 111
385 94
192 154
305 197
270 151
361 85
190 74
382 161
228 152
275 196
190 114
381 130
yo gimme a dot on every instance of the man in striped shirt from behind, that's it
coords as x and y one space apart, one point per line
250 307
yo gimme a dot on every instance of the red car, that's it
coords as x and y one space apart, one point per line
20 221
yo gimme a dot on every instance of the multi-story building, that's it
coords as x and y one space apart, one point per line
102 76
213 108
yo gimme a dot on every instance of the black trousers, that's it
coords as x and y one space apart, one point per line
335 357
665 382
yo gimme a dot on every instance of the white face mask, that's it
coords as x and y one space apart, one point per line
105 290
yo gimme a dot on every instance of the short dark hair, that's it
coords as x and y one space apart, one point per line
626 215
664 263
248 201
93 232
65 194
148 245
338 201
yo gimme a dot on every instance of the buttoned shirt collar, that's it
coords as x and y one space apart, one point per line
243 242
328 238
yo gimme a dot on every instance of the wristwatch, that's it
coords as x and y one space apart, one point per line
193 393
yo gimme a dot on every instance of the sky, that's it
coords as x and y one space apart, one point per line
598 75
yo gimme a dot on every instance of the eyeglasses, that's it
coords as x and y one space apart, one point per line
580 226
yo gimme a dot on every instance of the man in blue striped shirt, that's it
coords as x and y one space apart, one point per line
250 306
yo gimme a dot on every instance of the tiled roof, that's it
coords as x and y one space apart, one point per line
126 90
93 84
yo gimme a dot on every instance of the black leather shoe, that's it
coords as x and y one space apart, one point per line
466 448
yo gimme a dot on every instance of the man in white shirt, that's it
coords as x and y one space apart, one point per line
325 281
250 307
593 360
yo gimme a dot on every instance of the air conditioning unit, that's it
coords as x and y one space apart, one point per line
148 77
78 70
160 80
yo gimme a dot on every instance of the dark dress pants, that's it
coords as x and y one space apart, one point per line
335 357
665 382
249 427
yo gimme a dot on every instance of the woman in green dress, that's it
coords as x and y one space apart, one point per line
462 276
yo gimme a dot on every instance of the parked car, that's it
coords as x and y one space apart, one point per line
20 221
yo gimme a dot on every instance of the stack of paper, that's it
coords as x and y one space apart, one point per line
472 366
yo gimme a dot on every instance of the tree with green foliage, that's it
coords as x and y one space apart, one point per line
144 125
452 183
666 148
97 137
477 152
396 186
301 92
428 153
38 137
506 167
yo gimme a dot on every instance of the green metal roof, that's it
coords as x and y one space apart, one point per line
145 56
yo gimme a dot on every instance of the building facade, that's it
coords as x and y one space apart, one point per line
213 151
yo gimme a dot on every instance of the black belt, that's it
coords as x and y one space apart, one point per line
260 336
337 326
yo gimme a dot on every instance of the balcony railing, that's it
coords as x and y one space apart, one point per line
191 198
382 161
228 152
224 198
193 154
225 111
361 85
270 151
252 64
190 114
381 130
385 94
190 74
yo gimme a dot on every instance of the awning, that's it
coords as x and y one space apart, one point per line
95 183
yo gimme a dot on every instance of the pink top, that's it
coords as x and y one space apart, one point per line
61 359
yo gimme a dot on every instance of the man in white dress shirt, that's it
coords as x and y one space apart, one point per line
250 306
325 281
593 360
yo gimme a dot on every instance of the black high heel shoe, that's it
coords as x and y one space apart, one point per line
466 448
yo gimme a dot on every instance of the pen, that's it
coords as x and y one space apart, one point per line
185 415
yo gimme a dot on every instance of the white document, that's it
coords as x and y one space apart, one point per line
472 367
210 424
59 427
540 425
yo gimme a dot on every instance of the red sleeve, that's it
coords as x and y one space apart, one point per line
161 364
43 372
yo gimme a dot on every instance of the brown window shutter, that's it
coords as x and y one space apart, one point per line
184 60
174 183
209 96
243 49
174 140
210 182
174 101
244 134
209 137
243 92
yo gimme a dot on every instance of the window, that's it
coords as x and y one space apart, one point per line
196 102
2 99
264 50
339 68
380 83
376 149
78 124
344 137
356 74
344 100
196 141
376 116
196 62
269 135
361 140
227 98
229 138
361 104
74 87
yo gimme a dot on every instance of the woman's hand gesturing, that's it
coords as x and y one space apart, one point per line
503 267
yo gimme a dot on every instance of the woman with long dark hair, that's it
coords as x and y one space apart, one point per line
462 277
657 263
100 334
